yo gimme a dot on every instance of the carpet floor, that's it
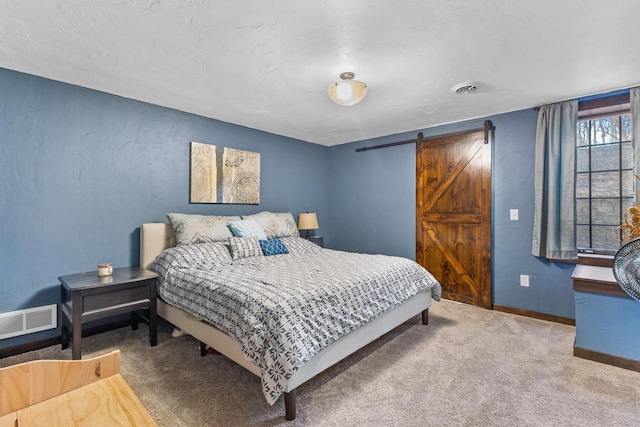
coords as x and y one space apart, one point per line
468 367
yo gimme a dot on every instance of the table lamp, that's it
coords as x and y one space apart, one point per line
307 221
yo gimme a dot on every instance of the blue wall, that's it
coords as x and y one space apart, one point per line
373 209
80 170
608 324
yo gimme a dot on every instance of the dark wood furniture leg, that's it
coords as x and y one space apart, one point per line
76 326
65 335
66 332
290 405
203 349
134 320
425 317
153 316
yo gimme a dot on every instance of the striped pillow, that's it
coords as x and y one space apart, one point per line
244 247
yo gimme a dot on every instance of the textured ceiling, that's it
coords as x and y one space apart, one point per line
267 64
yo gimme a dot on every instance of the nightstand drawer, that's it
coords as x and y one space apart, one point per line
114 298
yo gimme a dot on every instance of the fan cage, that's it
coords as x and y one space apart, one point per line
626 268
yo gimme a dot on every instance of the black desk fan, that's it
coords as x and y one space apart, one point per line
626 268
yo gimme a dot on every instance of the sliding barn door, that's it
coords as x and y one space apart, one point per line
453 215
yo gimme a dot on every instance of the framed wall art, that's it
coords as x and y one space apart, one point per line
224 175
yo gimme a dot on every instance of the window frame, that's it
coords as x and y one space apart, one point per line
590 110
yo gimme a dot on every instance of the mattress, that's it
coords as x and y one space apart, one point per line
283 309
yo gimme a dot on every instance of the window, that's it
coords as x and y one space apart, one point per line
604 176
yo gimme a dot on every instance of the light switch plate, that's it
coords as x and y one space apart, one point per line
513 214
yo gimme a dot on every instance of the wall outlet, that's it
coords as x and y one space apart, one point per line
524 280
513 214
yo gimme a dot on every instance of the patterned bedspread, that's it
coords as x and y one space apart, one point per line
284 309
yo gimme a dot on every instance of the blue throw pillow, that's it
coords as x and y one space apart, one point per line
247 228
273 247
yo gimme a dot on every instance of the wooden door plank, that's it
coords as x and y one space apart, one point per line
454 218
455 172
452 259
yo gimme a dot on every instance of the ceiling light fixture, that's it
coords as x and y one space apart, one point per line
347 91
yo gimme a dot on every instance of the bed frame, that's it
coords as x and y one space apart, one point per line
156 237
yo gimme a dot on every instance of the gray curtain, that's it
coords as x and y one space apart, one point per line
634 98
554 233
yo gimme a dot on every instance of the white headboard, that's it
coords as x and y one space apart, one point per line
154 238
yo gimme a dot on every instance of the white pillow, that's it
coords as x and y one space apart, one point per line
276 224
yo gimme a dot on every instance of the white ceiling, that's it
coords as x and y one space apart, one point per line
267 64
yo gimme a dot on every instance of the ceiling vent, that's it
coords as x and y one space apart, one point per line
464 88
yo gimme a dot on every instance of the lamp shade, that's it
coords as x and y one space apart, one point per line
307 221
347 91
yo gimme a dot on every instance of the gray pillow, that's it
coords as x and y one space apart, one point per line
191 229
244 247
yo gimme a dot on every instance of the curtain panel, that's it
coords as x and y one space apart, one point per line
634 100
554 223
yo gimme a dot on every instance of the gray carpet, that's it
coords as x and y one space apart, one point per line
469 367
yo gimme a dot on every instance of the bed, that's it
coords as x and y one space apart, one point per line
158 237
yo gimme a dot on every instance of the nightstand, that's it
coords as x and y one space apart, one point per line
318 240
87 297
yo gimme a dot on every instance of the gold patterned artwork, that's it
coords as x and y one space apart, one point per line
240 176
204 188
224 175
